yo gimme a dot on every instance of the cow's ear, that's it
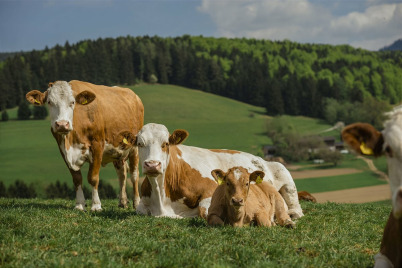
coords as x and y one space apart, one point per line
126 139
257 176
363 138
85 97
36 97
178 136
218 175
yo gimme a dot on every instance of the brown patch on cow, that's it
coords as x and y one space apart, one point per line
50 84
224 151
178 136
183 181
36 97
391 244
356 134
304 195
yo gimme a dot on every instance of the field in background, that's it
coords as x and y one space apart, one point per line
28 151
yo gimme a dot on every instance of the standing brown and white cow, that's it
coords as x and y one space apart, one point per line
178 179
86 120
366 140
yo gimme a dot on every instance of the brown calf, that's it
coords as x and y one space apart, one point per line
238 203
304 195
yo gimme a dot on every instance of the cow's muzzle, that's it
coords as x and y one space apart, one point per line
237 202
62 126
152 167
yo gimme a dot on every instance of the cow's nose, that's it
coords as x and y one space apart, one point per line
62 125
237 201
152 164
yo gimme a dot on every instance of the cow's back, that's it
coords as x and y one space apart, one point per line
115 109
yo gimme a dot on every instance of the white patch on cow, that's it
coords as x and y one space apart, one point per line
96 203
237 174
61 103
381 261
79 199
205 203
392 134
74 156
159 205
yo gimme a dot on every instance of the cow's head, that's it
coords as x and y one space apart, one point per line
366 140
61 102
153 142
236 183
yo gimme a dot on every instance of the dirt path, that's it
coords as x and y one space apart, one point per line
356 195
323 173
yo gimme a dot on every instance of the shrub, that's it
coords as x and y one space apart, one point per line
23 111
40 112
4 116
3 190
59 190
20 190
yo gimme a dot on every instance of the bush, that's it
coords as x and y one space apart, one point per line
62 190
153 79
106 191
4 116
329 156
40 112
20 190
3 190
59 190
23 111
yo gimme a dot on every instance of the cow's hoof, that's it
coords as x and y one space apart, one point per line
289 224
80 207
96 208
136 202
295 214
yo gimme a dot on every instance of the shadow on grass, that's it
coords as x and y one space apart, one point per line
257 112
115 213
197 222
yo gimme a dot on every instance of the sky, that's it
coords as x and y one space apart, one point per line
34 24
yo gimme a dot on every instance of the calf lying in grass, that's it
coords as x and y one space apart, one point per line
238 203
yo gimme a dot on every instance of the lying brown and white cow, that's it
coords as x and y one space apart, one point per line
366 140
237 202
86 120
178 179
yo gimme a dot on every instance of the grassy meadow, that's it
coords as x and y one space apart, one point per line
29 152
49 233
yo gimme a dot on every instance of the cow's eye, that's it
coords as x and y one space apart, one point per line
140 144
227 184
72 103
247 184
164 145
48 102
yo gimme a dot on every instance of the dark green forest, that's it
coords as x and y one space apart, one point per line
283 76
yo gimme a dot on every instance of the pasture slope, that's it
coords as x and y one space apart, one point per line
49 233
28 151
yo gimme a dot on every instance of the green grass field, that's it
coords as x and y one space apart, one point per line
29 152
49 233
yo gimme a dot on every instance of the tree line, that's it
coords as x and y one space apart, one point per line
283 76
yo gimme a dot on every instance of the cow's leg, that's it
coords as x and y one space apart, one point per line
93 175
263 219
134 175
281 212
121 173
79 194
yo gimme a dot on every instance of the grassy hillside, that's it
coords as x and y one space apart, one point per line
49 233
28 151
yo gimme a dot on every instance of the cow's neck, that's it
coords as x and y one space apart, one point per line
72 149
236 216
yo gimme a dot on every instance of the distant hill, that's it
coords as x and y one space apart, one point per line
397 45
